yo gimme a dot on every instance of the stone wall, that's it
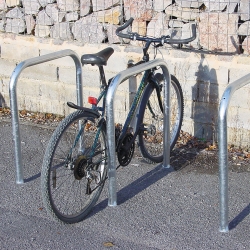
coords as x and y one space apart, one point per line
223 26
203 76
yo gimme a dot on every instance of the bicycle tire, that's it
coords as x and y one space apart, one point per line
66 169
151 138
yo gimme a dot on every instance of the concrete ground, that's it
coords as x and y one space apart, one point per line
157 208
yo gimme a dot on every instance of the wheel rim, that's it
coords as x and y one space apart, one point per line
70 187
153 143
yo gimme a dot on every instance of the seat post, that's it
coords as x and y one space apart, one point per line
102 76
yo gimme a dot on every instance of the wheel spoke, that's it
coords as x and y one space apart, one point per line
151 139
68 161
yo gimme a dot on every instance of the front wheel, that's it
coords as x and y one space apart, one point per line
74 168
151 120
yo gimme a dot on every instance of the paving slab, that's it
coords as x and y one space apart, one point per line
157 208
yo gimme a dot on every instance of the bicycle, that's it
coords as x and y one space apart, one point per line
74 168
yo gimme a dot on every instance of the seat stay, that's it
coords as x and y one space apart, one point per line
99 58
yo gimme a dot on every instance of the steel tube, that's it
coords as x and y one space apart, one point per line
13 98
117 80
223 151
166 118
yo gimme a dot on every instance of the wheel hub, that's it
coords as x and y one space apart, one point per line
80 166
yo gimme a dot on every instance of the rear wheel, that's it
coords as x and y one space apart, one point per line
74 168
151 120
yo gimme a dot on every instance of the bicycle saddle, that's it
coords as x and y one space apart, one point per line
99 58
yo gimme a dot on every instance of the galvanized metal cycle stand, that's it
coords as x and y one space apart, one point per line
13 98
223 151
118 79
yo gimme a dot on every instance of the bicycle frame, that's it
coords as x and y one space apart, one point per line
130 115
104 86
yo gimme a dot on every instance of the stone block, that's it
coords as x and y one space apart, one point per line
2 15
64 61
174 33
104 4
222 75
5 91
138 9
44 3
71 16
1 86
44 19
30 24
41 72
115 67
42 30
3 5
238 118
61 16
15 13
244 29
29 88
89 30
188 125
238 136
221 89
15 25
61 31
112 37
237 72
188 89
186 32
182 13
51 90
6 67
218 32
175 23
208 92
207 73
85 7
2 25
139 27
51 106
206 113
89 78
53 12
189 3
18 53
69 94
246 45
158 26
212 5
93 92
31 6
241 98
4 86
111 16
185 70
69 5
244 9
160 5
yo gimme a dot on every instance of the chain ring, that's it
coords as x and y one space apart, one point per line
125 155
